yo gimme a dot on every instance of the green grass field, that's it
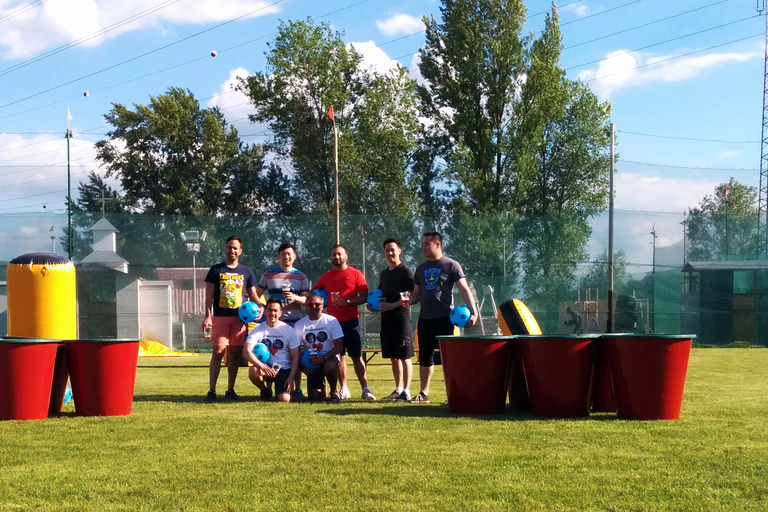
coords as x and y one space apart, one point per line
175 452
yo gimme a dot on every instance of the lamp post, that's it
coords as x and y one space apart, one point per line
193 238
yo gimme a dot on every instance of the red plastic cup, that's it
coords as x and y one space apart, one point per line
475 369
103 375
648 372
558 373
26 376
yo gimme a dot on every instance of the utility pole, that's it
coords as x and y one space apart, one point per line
609 321
762 197
69 193
652 311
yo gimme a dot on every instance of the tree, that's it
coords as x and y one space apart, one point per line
172 157
310 69
732 209
597 275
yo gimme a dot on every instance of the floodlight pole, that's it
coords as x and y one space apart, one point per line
336 179
609 321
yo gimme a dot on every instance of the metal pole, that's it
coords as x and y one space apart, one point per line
652 314
609 321
69 198
336 178
194 285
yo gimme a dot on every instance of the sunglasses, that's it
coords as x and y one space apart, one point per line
314 305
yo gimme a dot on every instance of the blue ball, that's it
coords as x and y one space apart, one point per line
305 357
460 316
261 352
373 299
248 312
68 395
321 292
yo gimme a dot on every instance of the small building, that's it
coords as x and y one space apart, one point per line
725 301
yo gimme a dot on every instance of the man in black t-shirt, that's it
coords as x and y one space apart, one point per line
396 332
227 285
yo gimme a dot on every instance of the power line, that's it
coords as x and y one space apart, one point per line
694 139
643 25
601 12
21 10
671 166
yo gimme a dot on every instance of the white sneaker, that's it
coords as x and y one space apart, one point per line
344 393
367 395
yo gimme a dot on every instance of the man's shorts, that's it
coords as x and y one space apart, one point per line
316 378
353 339
429 330
396 337
227 330
280 380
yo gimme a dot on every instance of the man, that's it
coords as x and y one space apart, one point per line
321 332
433 286
396 333
283 345
347 289
226 286
292 286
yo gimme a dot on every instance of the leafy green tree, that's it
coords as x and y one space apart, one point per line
309 69
597 275
707 224
474 61
172 157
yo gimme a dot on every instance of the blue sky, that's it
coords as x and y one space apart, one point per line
685 79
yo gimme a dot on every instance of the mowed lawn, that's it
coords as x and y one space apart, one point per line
175 452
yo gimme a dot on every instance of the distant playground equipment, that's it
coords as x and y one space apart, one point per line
248 312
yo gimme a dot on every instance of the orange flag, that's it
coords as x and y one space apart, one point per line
330 113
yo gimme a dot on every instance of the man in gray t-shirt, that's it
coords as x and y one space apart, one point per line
433 288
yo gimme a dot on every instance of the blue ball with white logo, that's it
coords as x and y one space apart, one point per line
460 316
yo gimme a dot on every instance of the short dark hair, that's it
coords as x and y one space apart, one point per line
391 241
434 234
287 245
275 300
339 245
234 237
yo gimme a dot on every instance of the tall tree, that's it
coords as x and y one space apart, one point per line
474 61
173 157
309 69
732 209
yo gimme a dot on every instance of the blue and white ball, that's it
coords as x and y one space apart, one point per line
373 299
460 316
248 312
261 352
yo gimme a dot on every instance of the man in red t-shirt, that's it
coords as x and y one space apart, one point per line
347 289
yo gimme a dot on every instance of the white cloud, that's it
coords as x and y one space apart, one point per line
235 105
653 193
400 24
729 154
622 69
59 22
414 71
374 58
578 9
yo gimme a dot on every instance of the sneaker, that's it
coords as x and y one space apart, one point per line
231 395
298 395
367 395
446 402
266 395
420 398
211 396
393 396
335 398
405 396
344 393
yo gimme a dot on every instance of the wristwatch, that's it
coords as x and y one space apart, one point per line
349 302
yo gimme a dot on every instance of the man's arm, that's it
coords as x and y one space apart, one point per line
249 356
469 299
415 294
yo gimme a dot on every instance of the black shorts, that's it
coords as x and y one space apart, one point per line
429 330
316 378
353 339
396 335
280 380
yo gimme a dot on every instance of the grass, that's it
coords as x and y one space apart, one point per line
175 452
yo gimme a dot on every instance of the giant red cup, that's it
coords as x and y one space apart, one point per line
475 369
103 375
26 376
648 373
